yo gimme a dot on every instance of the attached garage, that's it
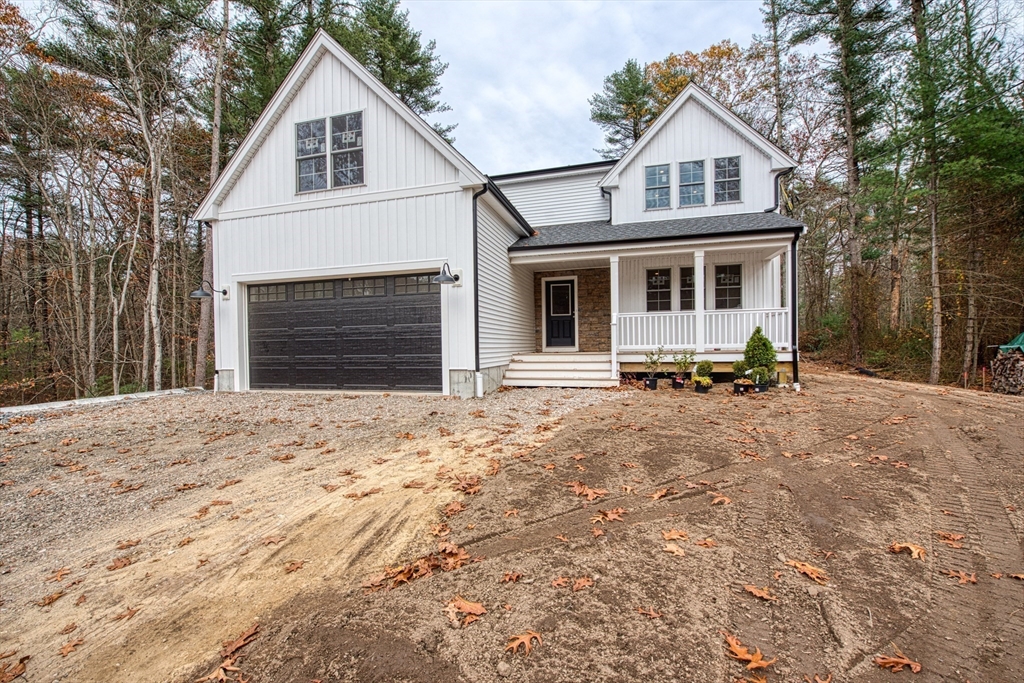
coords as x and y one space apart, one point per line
373 333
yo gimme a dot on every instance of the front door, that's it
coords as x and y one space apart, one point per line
560 307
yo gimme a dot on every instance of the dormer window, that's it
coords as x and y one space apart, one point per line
691 183
346 157
727 180
656 187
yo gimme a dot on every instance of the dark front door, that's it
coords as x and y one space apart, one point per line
560 306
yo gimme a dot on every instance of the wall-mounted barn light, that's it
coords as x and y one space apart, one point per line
201 293
447 277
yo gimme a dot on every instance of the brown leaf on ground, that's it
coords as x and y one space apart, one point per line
66 630
597 532
453 508
1019 577
120 563
898 662
810 571
230 647
916 551
675 535
440 530
229 482
818 679
549 466
70 646
445 432
524 639
468 484
661 493
514 512
584 491
222 674
950 539
719 499
649 613
284 457
629 465
127 614
185 541
202 512
414 484
188 487
762 593
674 549
613 515
562 537
50 599
80 600
961 576
511 577
459 605
125 545
707 543
294 566
220 502
738 651
59 574
363 494
560 582
581 583
9 670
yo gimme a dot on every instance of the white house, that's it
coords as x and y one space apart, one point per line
341 206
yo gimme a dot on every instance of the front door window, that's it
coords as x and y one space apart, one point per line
560 326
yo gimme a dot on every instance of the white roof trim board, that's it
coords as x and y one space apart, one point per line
321 44
780 160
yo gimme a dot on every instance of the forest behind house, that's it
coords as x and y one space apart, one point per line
907 120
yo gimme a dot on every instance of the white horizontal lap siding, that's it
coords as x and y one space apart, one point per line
552 201
758 284
394 154
506 293
694 134
347 239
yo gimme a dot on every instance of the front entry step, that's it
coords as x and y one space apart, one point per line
584 370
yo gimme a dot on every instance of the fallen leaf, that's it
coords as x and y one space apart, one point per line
229 482
762 593
330 488
649 613
950 539
50 599
70 646
736 650
661 493
525 640
560 582
916 551
125 545
511 577
185 541
120 563
549 466
581 583
472 611
453 508
809 570
440 530
898 662
629 465
719 499
222 674
675 535
294 566
818 679
127 614
707 543
229 647
562 537
597 532
674 549
613 515
582 490
80 600
961 576
64 631
514 512
8 672
59 574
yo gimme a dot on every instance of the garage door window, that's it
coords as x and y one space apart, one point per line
314 290
267 293
369 286
416 284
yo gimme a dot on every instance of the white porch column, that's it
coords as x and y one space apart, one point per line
613 266
698 298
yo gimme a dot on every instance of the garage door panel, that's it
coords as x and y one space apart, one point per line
345 339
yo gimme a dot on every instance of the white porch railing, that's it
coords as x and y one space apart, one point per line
646 331
722 329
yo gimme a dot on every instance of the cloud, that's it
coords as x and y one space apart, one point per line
520 72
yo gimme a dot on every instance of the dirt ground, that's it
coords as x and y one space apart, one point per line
830 477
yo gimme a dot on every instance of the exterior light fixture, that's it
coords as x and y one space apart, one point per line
447 277
201 293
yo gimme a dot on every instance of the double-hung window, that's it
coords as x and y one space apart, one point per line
687 289
344 164
691 183
727 180
728 286
656 187
659 289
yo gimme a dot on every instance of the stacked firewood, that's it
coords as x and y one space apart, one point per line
1008 373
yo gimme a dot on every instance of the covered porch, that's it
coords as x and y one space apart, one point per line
600 309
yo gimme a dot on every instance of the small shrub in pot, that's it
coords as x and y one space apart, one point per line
704 368
760 352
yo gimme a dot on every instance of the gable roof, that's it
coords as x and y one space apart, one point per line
603 232
322 43
780 159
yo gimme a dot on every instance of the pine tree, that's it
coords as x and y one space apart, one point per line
624 109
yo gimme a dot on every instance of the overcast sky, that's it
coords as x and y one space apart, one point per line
520 73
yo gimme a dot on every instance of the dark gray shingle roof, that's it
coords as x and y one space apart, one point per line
603 232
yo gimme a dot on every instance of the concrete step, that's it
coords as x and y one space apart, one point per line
602 373
567 383
560 367
556 358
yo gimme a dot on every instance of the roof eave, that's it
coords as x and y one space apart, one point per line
798 230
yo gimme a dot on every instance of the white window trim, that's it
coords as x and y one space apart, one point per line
740 179
330 157
544 315
296 159
645 188
714 284
679 184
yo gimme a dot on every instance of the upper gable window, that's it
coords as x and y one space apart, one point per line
346 157
311 153
691 183
727 180
656 186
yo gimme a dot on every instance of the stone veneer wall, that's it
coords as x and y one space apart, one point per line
595 307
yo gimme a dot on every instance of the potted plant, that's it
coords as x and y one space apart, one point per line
741 383
761 378
759 352
702 376
682 361
652 363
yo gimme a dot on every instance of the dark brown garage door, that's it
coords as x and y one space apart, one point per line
361 333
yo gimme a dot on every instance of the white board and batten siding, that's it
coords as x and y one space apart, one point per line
413 214
558 198
506 293
694 134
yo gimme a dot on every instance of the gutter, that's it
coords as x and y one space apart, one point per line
794 313
660 238
778 178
